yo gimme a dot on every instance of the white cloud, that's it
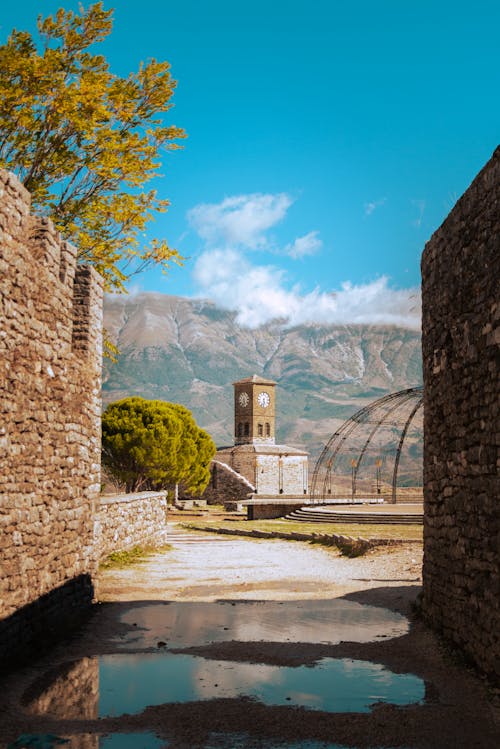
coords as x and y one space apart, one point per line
255 292
261 293
258 295
240 220
309 244
373 205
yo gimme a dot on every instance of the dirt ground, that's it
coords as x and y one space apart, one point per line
270 570
200 573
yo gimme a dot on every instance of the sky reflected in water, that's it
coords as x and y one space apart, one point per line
182 624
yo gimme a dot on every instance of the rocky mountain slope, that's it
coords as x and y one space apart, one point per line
190 352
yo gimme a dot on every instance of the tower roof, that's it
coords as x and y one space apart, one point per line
262 448
255 379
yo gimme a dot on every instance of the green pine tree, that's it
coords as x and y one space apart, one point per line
150 445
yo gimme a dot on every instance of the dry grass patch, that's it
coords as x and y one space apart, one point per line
136 555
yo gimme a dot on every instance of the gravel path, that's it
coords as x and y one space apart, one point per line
270 570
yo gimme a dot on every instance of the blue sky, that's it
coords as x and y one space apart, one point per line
327 140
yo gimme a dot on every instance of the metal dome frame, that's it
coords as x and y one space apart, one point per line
381 413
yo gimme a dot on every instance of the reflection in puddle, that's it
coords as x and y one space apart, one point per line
151 741
195 623
132 741
130 683
89 741
38 741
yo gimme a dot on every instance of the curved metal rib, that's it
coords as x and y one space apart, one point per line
325 465
400 447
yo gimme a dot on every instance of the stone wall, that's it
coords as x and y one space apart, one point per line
460 339
281 474
50 367
271 469
269 508
241 459
128 520
226 486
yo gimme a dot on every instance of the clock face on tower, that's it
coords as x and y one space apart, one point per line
263 400
243 399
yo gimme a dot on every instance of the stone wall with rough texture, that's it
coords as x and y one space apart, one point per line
50 373
272 507
460 339
226 486
241 459
128 520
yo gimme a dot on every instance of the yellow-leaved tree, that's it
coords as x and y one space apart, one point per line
85 142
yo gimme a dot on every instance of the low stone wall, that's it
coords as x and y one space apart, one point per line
128 520
349 545
269 507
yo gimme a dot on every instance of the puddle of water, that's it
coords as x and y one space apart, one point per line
38 741
151 741
129 683
89 741
132 741
194 623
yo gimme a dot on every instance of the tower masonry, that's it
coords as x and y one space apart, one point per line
271 470
254 411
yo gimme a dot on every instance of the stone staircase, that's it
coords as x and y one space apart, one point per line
380 517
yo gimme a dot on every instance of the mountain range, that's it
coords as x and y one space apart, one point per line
190 351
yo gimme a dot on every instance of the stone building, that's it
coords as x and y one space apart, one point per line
50 408
255 465
461 341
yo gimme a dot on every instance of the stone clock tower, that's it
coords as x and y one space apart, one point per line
254 411
255 466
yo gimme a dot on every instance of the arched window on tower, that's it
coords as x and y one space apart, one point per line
240 429
260 430
268 429
247 428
